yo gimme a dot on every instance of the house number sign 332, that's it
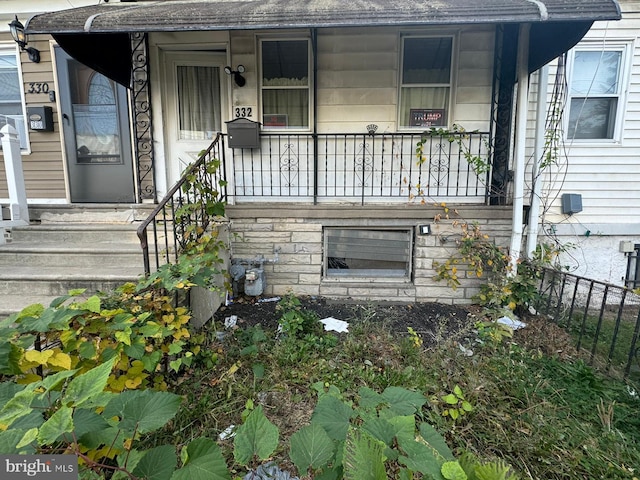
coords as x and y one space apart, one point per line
243 112
38 87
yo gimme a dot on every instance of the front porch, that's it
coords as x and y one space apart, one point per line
437 165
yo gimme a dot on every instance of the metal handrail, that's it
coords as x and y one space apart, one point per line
173 228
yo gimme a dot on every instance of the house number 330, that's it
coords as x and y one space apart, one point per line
38 87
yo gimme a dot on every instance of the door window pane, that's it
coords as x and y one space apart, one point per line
11 106
426 81
285 83
198 96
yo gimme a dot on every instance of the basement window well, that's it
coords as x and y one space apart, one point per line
367 252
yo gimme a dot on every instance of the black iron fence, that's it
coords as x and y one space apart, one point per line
185 212
603 318
361 167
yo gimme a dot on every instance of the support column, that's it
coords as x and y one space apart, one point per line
15 176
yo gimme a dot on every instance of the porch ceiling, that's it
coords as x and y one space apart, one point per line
181 15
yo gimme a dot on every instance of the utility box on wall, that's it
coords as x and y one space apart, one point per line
571 203
40 118
243 133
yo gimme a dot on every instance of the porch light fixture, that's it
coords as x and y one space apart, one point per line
237 74
371 128
17 32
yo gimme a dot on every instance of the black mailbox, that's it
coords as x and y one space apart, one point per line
40 118
243 133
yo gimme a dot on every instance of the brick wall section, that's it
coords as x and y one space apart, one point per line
294 236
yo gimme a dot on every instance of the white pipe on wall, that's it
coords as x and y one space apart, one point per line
519 152
534 209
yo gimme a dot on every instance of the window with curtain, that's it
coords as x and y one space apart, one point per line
198 102
11 106
425 84
595 93
285 84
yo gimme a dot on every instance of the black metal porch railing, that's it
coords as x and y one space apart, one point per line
604 319
361 167
181 217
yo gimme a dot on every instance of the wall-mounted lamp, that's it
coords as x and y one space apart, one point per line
17 32
237 75
371 128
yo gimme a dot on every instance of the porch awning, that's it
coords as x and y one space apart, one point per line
558 24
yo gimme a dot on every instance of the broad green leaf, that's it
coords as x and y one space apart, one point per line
34 310
403 426
29 436
59 423
466 406
89 384
86 421
53 381
333 415
157 464
256 437
129 461
453 471
106 436
175 364
403 401
369 398
136 349
451 399
87 349
310 447
363 457
151 360
18 406
124 336
458 391
420 458
204 461
379 428
9 440
435 441
92 304
9 359
142 411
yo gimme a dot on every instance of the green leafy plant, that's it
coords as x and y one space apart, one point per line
296 322
493 333
455 405
73 412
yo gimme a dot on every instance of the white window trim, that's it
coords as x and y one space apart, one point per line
310 85
625 66
452 77
6 47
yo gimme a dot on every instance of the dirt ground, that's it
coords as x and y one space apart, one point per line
430 320
427 319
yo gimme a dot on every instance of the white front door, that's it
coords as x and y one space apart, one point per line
195 89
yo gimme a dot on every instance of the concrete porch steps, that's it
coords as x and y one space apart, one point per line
44 261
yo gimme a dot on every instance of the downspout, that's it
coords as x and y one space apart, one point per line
314 50
519 152
534 209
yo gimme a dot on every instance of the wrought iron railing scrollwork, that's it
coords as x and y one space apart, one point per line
141 101
185 212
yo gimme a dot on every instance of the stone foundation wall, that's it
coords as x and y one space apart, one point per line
291 241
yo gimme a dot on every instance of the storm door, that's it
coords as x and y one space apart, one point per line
194 91
95 125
